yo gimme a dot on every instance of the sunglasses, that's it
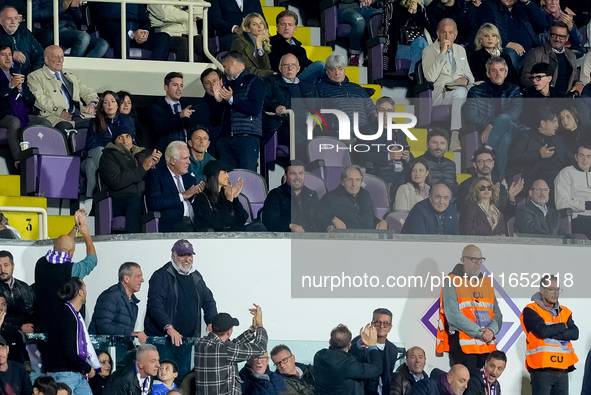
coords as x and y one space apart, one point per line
485 187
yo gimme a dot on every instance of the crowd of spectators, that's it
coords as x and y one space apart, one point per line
178 298
486 58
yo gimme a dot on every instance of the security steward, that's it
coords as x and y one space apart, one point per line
469 315
549 356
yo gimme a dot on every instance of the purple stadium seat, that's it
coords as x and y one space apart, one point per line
246 204
315 183
395 220
3 136
426 112
566 222
511 227
254 188
47 169
470 143
77 140
331 29
378 191
334 161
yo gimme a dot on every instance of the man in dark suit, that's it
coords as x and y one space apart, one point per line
225 18
279 95
212 80
535 216
382 322
170 190
107 18
338 372
126 381
169 119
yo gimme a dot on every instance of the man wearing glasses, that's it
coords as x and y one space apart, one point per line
554 52
469 315
549 328
535 217
298 377
382 321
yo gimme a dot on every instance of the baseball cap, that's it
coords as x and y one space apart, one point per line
183 247
223 322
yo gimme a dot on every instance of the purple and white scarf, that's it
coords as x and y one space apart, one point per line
84 347
58 257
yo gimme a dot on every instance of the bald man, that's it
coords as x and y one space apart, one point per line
469 315
56 267
60 96
410 372
453 382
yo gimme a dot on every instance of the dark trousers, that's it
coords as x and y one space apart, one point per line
582 224
180 46
158 43
79 122
240 152
472 361
130 206
549 382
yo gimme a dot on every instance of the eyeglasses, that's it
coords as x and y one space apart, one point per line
289 65
474 259
283 361
554 290
483 161
483 188
538 189
560 36
261 358
383 324
537 78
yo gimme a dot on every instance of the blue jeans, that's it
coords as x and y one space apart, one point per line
313 72
357 18
500 138
82 44
517 60
413 52
75 381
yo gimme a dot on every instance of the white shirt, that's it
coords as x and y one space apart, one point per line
183 200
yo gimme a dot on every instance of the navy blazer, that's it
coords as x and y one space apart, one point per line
162 195
168 126
390 355
224 14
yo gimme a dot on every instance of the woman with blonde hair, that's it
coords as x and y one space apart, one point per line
480 215
488 43
254 45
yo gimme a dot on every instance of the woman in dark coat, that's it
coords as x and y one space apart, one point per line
488 44
98 382
480 215
218 207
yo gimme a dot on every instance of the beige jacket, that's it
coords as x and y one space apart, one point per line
438 70
47 91
173 20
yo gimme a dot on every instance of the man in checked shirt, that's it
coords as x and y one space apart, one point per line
216 356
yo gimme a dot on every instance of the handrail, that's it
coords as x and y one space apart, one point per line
43 225
291 134
190 3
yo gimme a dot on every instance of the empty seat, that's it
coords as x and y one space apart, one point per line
254 188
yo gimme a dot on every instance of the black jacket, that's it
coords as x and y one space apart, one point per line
524 156
23 41
114 313
280 209
480 108
300 385
282 47
337 372
110 13
121 170
473 221
224 216
477 386
168 126
389 357
402 380
530 219
20 302
357 212
124 382
224 14
442 171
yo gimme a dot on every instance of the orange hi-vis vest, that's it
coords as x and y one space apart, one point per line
476 303
548 353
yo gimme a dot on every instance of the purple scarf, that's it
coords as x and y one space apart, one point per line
85 349
58 257
444 386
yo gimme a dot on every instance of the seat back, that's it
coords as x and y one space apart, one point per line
255 188
378 191
48 140
395 220
511 227
3 136
77 140
315 183
246 204
334 159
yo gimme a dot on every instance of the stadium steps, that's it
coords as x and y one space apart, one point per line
462 177
271 14
10 185
317 52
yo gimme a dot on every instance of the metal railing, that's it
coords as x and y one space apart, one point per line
189 3
41 213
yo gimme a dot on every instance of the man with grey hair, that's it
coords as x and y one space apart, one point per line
493 108
136 379
445 64
170 189
349 206
116 308
238 108
338 92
